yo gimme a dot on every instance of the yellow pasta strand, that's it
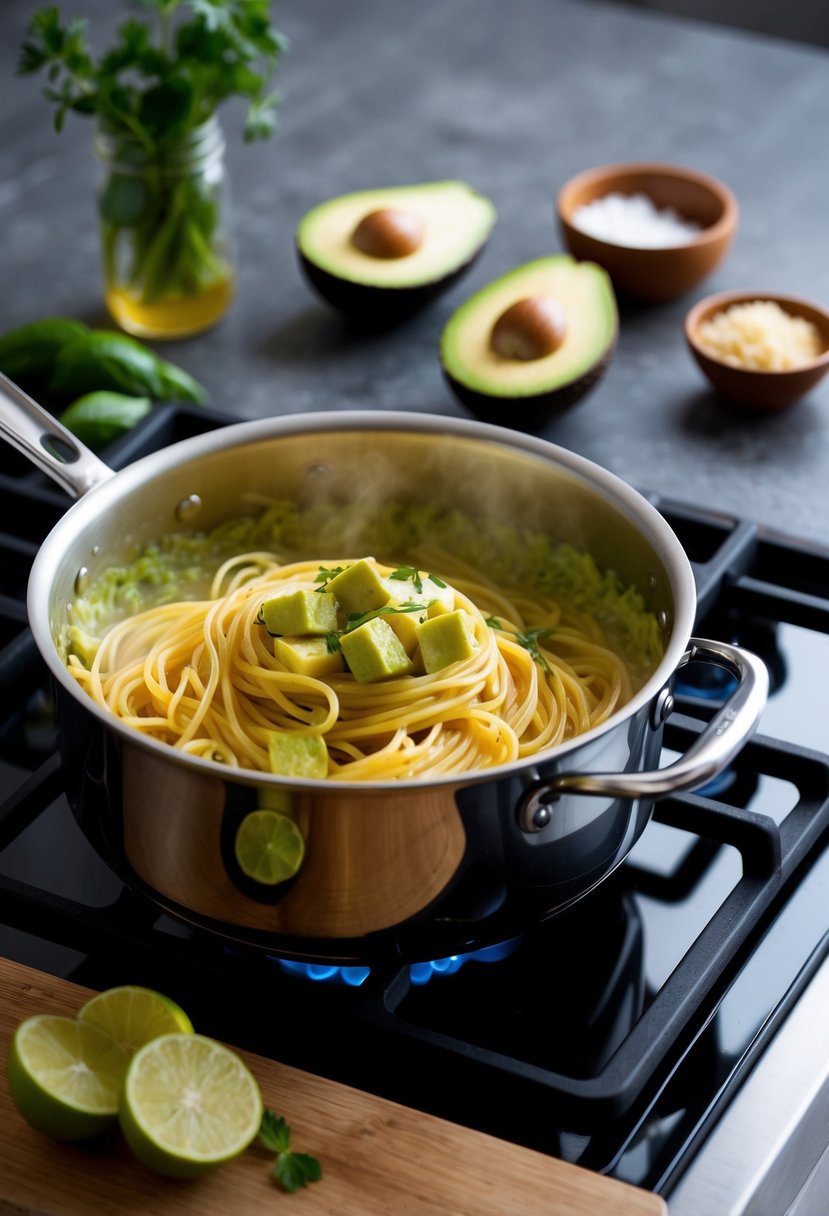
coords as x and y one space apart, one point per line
202 677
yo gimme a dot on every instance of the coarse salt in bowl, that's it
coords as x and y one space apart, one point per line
634 220
657 229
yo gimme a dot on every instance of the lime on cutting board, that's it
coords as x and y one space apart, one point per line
133 1015
65 1076
188 1104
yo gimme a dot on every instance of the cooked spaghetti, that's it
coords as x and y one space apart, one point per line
202 676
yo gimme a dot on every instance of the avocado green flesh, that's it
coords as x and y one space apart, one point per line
584 291
456 221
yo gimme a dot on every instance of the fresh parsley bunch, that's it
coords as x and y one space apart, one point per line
157 84
150 93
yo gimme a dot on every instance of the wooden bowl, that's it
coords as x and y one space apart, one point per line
660 274
751 388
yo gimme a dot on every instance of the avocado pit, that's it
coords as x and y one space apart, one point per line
379 256
529 329
493 347
388 233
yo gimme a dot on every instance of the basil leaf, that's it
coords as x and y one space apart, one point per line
179 385
99 360
29 353
99 418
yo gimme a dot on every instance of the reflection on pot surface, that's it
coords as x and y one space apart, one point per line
369 863
417 872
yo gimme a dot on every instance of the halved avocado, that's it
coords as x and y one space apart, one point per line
532 342
380 255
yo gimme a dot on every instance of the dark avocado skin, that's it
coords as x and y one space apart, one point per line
377 308
531 413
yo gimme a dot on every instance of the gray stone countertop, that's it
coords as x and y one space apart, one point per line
513 99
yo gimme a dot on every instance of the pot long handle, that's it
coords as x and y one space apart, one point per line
33 431
715 748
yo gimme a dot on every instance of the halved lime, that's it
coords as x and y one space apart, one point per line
66 1076
188 1104
269 847
133 1016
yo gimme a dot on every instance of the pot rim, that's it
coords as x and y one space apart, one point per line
127 481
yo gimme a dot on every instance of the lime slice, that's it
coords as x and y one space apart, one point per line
65 1076
188 1104
269 847
133 1016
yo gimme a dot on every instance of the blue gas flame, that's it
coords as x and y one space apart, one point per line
322 973
419 973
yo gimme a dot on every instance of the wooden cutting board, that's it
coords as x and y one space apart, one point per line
378 1158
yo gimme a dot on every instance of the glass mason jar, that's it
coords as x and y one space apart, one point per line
165 218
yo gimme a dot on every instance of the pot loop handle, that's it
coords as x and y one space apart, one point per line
55 450
716 747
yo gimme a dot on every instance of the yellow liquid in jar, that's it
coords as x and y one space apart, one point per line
174 316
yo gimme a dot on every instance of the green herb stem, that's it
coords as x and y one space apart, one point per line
529 639
153 88
291 1170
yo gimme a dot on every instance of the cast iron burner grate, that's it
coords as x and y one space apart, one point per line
609 1035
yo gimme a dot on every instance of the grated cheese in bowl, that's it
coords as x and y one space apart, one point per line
760 335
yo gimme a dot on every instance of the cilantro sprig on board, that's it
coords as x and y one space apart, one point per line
291 1170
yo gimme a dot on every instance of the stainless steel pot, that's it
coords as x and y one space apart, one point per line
416 869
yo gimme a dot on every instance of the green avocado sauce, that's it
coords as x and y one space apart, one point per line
180 566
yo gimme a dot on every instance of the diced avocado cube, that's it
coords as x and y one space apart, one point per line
437 608
300 611
404 625
439 597
446 638
359 589
307 656
373 652
294 755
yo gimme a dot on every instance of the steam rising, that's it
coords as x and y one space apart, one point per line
515 520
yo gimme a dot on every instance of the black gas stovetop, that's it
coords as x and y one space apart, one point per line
611 1035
